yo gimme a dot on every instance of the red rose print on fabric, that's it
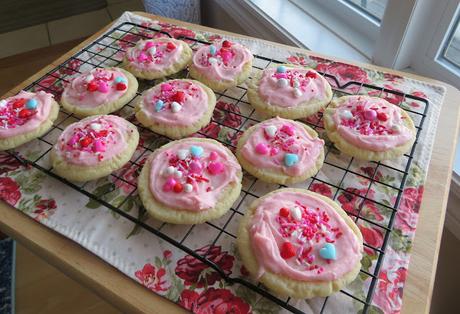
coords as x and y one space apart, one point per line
213 301
194 272
211 130
176 31
9 191
407 214
321 188
44 209
390 290
297 60
373 237
228 114
152 278
344 72
8 163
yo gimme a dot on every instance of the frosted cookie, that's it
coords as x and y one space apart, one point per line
176 108
156 58
369 128
221 65
99 91
25 117
289 91
190 181
280 151
94 147
300 244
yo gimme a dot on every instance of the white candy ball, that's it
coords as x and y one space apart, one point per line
3 103
282 82
188 187
178 174
175 107
346 114
170 170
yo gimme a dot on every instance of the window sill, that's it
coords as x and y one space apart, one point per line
285 21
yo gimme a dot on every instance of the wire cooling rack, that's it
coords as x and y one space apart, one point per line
107 50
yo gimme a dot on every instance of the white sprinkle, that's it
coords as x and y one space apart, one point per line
271 130
175 107
95 126
212 60
152 51
296 84
346 114
296 213
89 78
3 103
297 92
182 154
188 188
178 174
282 82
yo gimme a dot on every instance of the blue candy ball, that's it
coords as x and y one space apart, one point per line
32 104
281 69
159 105
290 160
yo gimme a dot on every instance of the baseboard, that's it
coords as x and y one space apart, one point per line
452 222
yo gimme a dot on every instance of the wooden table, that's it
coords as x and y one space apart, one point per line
129 296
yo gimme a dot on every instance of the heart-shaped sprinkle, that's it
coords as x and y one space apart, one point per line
290 159
261 149
213 156
270 130
179 96
287 250
282 82
170 46
121 86
95 126
296 213
212 50
159 105
281 69
3 103
120 79
297 92
182 154
346 114
274 151
103 87
382 116
188 187
92 86
215 168
166 87
32 104
212 60
196 151
226 44
142 57
152 51
296 84
288 129
328 251
99 146
175 107
89 78
148 44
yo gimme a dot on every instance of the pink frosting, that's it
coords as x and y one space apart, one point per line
371 123
192 99
16 118
288 244
154 54
302 85
93 140
96 87
267 150
229 61
195 182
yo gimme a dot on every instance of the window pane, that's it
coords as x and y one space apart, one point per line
375 8
452 49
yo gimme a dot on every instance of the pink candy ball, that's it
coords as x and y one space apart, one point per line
149 44
166 87
215 168
370 114
142 57
103 87
261 149
213 156
195 167
169 184
226 55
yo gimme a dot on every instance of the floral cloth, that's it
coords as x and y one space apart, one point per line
367 191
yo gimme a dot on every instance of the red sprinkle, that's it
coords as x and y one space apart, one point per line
170 46
92 86
24 113
284 212
19 103
121 86
226 44
178 187
287 250
382 116
102 133
179 97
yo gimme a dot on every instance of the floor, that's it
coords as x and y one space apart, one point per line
63 30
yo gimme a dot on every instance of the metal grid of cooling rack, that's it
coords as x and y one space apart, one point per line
108 50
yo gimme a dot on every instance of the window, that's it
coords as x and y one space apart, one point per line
451 50
374 8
